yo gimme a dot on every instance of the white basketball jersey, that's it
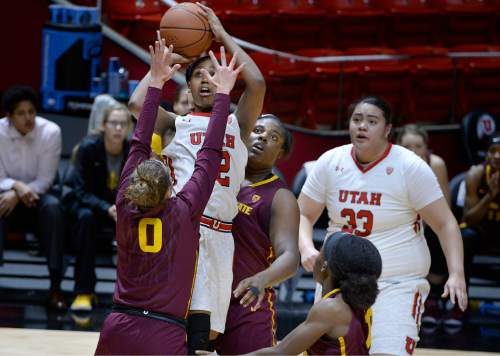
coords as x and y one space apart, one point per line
181 155
379 202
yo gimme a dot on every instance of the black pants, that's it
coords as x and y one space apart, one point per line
85 234
47 220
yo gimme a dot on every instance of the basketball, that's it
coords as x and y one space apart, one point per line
184 26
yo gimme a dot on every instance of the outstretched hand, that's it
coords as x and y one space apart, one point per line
161 64
225 75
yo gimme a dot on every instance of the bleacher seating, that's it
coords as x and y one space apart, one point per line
353 23
412 22
432 87
428 87
388 79
467 21
295 24
330 89
286 87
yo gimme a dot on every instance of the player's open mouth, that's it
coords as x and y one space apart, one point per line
205 91
361 137
257 147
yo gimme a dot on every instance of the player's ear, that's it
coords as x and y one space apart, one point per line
388 129
168 193
281 154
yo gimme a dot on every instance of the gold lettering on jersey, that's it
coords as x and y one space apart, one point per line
197 139
144 245
245 209
255 198
362 198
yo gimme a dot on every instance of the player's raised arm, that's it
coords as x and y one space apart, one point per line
161 72
198 189
165 120
251 101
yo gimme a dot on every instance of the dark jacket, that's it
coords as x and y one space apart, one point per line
88 176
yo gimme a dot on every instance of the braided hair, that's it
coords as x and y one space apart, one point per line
356 266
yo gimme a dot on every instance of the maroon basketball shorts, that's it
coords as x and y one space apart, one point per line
124 334
247 331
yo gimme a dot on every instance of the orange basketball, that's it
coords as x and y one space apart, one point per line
185 27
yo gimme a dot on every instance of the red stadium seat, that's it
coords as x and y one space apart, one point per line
480 84
286 87
467 21
248 24
354 23
411 22
136 20
433 83
296 24
330 89
388 79
130 10
317 52
330 92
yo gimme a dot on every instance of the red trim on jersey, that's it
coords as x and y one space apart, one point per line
373 164
215 224
200 114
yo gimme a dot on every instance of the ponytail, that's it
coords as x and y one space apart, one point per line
359 290
148 185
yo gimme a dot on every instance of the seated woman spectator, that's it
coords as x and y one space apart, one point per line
30 149
482 200
95 175
481 220
415 139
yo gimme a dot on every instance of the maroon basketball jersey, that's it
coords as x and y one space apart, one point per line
157 249
355 342
253 251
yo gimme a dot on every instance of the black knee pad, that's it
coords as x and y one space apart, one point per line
198 332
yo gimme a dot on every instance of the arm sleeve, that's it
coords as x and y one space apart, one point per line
83 182
49 160
198 189
422 184
140 147
316 182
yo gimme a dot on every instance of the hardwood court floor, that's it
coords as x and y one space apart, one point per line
17 342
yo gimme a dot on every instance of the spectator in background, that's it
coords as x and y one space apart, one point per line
415 139
95 175
30 149
482 200
101 103
182 105
481 220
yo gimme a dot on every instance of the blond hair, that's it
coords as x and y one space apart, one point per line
148 184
